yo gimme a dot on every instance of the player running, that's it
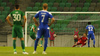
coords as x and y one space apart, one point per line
91 31
43 28
81 40
17 16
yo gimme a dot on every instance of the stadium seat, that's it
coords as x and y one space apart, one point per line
62 5
57 25
50 4
64 1
93 5
2 17
97 9
80 5
76 1
13 1
57 1
3 4
62 17
37 4
74 17
7 8
78 9
82 1
86 4
1 8
0 1
98 4
6 1
70 1
29 9
72 8
88 1
53 9
5 13
32 4
59 9
55 4
0 12
74 4
66 8
98 0
68 17
91 9
68 4
84 9
39 8
35 8
45 1
52 1
49 8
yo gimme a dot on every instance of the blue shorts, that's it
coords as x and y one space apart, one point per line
43 32
91 35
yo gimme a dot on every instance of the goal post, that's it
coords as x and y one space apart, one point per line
62 13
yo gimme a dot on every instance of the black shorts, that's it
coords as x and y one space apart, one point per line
75 40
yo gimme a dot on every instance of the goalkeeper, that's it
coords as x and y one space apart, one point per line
33 31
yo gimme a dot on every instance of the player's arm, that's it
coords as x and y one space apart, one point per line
35 21
94 31
8 17
24 21
52 21
34 30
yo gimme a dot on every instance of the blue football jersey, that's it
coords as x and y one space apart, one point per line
90 28
43 16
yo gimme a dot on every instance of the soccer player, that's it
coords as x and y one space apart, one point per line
33 31
17 16
81 40
91 31
76 35
43 28
52 37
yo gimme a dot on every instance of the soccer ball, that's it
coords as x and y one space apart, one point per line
54 35
75 36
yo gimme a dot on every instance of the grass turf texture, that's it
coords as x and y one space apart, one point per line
52 51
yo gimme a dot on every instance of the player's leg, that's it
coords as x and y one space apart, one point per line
93 38
39 34
14 35
78 43
53 42
46 35
20 35
89 40
83 44
41 41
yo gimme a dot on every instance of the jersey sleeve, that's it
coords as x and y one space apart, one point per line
10 14
93 27
37 15
87 27
50 15
23 14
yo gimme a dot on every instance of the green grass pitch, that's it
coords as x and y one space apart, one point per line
52 51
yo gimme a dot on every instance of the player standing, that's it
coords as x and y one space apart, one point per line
17 16
43 28
91 31
76 35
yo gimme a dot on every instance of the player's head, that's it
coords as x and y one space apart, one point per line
89 23
84 35
51 29
45 6
76 28
17 7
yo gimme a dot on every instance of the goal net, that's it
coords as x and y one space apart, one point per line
65 25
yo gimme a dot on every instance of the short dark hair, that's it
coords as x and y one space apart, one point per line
45 5
89 23
17 6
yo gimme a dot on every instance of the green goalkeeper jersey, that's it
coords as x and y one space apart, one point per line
17 16
31 30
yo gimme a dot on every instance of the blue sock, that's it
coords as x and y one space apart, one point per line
94 42
88 43
45 44
36 43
